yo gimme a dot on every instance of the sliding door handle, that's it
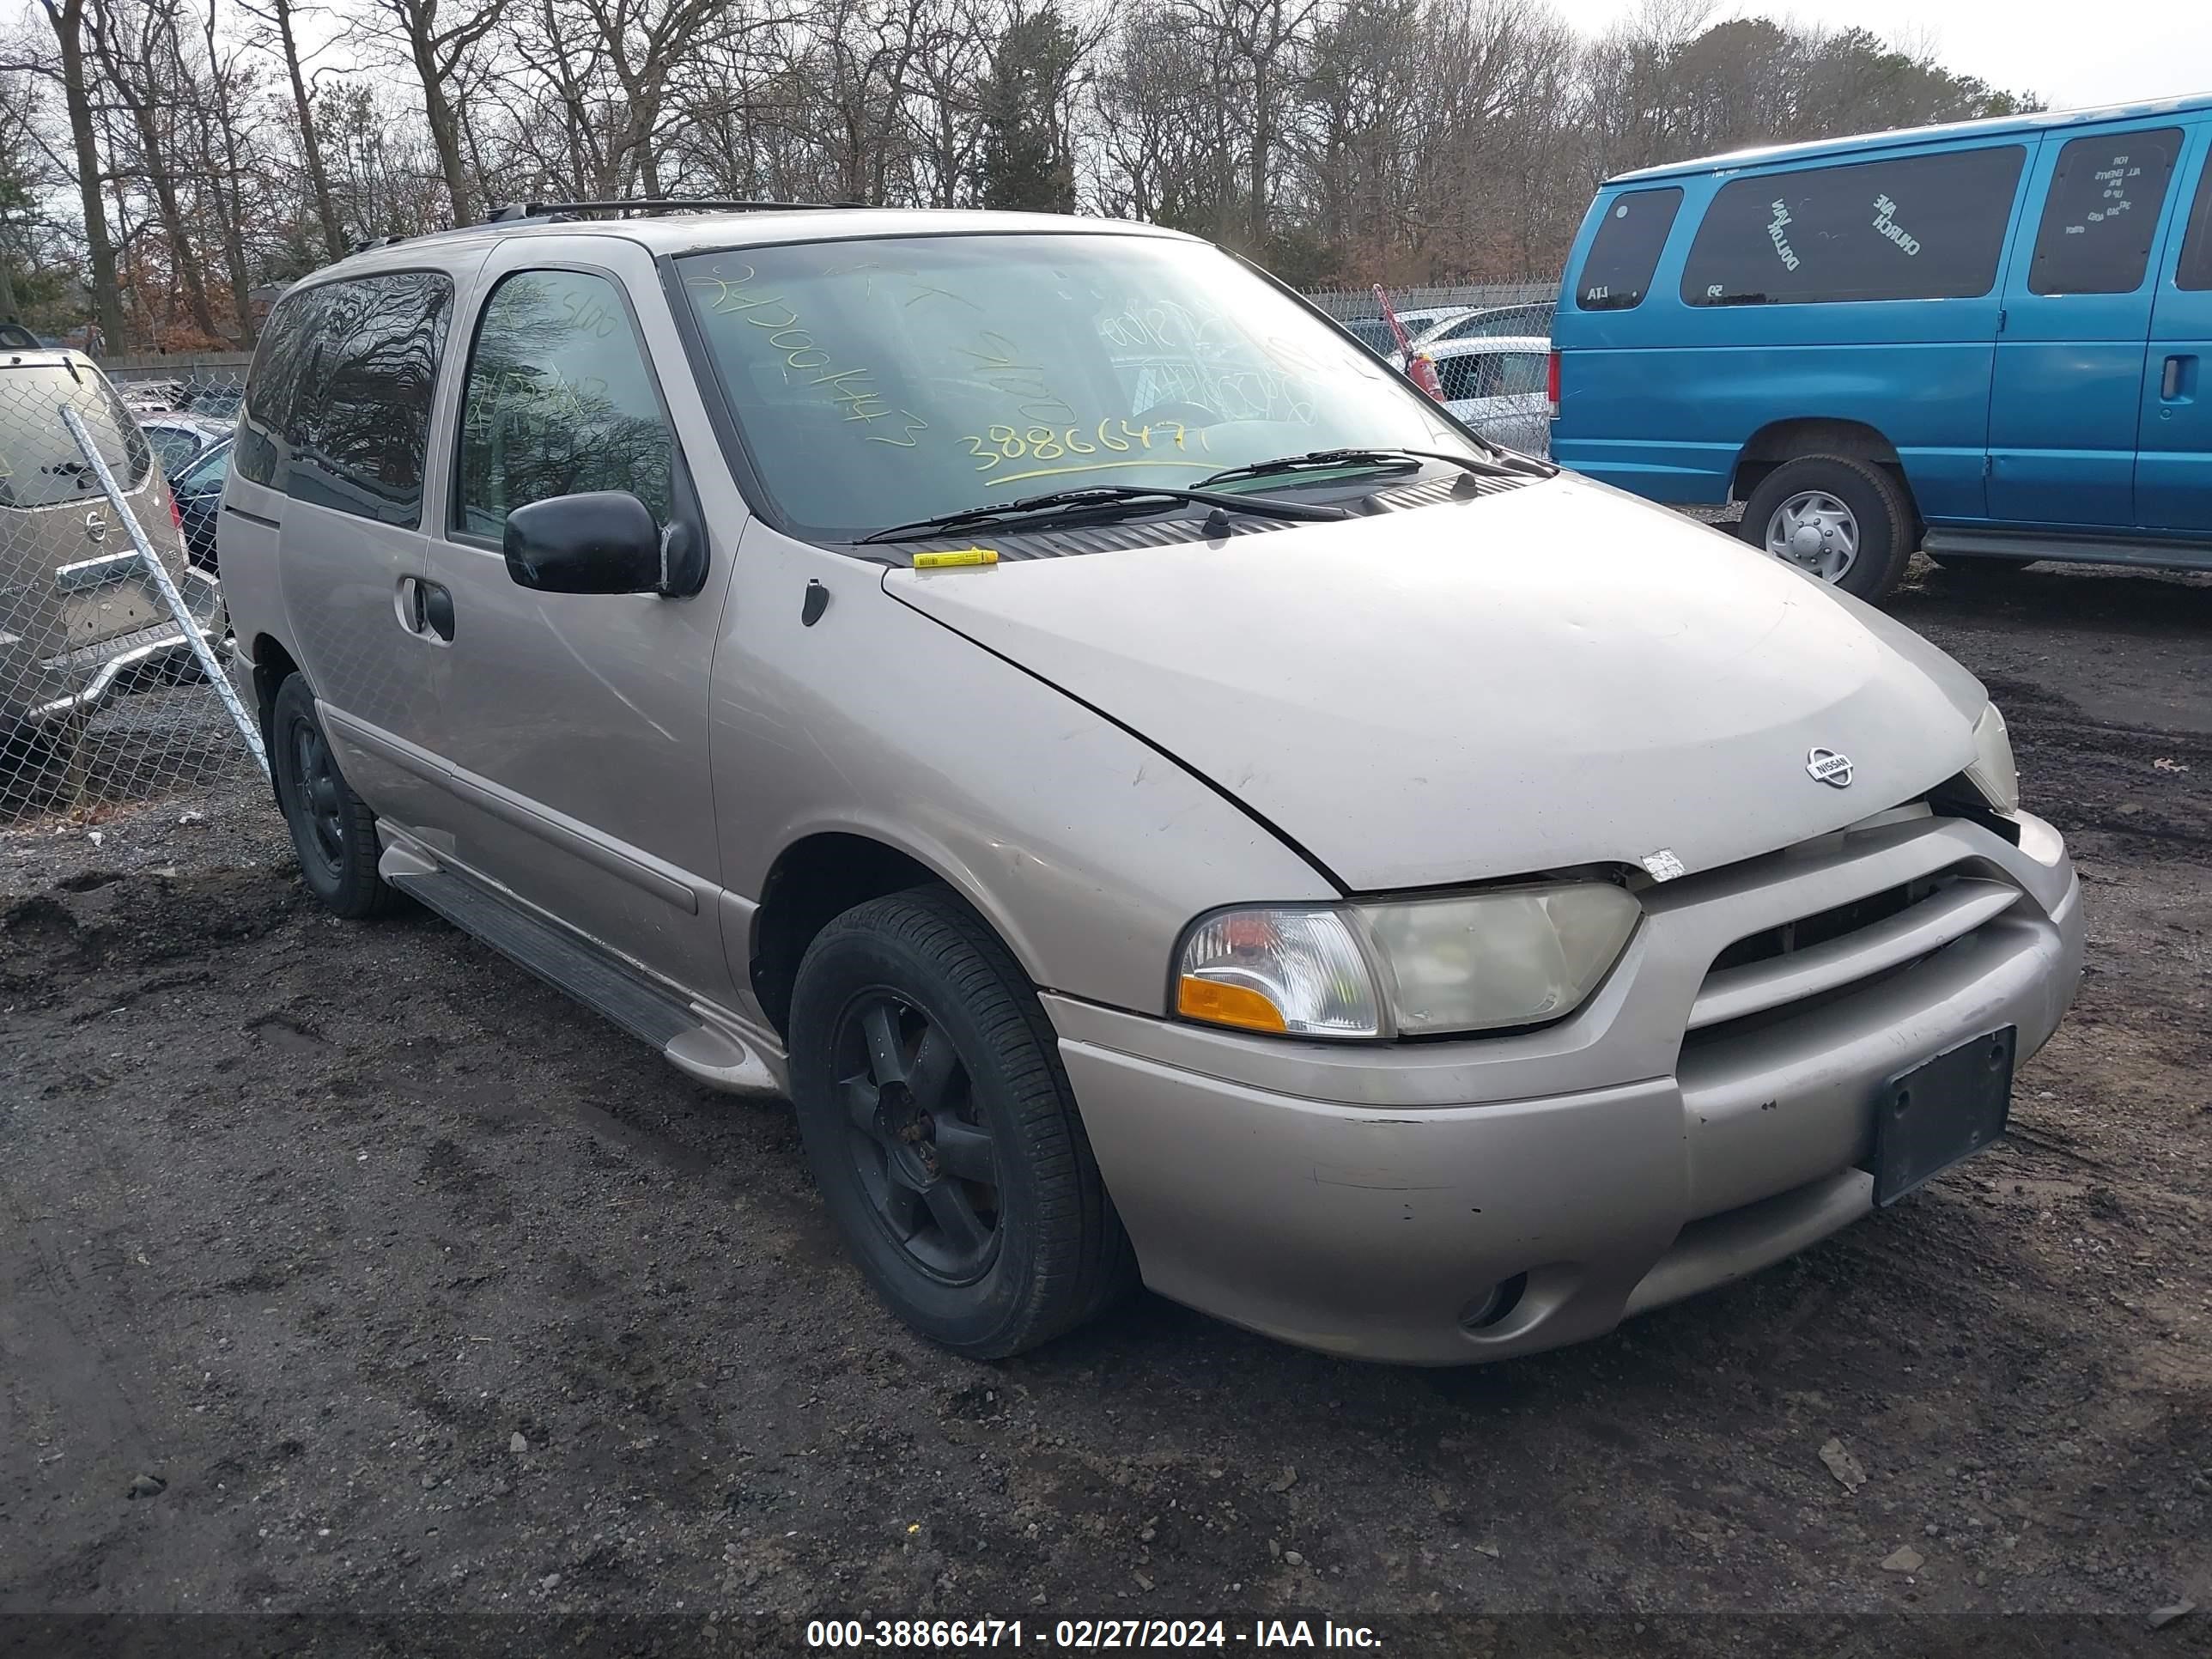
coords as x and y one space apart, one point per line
2178 369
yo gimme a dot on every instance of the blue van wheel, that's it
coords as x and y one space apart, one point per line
1842 520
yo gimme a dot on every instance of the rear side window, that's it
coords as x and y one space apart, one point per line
359 425
559 401
1902 227
2102 212
2196 269
41 465
272 382
1625 253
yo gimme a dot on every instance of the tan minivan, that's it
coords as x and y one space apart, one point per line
80 621
1161 797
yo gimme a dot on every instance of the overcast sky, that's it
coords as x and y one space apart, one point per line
2067 53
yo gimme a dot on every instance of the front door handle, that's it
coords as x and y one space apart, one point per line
437 604
2170 385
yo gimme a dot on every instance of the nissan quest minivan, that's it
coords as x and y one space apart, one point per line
1162 798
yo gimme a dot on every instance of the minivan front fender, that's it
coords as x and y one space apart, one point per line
1087 849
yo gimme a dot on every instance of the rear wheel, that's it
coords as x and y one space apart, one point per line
333 831
942 1132
1845 520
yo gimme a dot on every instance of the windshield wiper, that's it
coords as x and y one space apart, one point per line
1108 499
1394 459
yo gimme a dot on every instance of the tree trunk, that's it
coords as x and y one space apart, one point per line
68 18
444 132
318 177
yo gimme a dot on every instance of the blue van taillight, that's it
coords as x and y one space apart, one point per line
1551 383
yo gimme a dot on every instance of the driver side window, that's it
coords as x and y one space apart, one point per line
558 401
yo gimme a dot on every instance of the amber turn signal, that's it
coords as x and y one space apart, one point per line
1227 1005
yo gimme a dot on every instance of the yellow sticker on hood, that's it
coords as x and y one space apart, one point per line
962 555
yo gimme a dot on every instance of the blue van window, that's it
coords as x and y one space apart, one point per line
1899 227
2101 215
2196 269
1626 250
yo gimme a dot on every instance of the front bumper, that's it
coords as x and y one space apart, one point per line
1366 1201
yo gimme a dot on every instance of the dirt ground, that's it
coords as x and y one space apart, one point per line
425 1295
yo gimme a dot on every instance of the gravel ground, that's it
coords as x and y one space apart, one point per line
445 1318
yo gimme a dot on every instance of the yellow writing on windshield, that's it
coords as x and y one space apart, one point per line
1045 443
854 388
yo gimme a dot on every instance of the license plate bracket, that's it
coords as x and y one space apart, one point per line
1941 1111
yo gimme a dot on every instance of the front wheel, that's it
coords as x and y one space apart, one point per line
1845 520
942 1132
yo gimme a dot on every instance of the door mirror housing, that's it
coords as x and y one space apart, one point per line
602 541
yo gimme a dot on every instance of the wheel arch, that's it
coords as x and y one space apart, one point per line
822 874
1781 441
272 666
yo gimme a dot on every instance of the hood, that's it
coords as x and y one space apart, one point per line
1555 675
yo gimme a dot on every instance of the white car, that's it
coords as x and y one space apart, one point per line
1498 386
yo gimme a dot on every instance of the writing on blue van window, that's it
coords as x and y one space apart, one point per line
1823 234
1884 221
1775 228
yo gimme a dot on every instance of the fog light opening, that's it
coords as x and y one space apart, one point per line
1489 1309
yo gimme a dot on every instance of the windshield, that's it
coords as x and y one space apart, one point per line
879 382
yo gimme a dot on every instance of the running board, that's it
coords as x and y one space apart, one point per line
2078 550
596 978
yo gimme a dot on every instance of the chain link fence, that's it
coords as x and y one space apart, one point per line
113 638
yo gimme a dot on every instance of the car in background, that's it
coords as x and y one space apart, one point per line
1533 317
1498 387
80 620
15 337
198 490
1986 340
179 439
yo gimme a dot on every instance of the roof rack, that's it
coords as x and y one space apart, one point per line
367 243
515 212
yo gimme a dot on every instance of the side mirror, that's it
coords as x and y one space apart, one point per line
603 541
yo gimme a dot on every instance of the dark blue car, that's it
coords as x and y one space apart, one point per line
1987 340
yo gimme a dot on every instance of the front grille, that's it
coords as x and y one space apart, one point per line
1819 929
1782 972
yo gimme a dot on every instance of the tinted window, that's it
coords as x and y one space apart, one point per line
559 401
359 425
2196 269
1626 250
171 447
1905 228
2102 212
208 474
272 381
40 462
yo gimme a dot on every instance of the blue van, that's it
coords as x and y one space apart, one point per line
1986 340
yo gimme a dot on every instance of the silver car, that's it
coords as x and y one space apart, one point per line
1498 386
80 620
1162 798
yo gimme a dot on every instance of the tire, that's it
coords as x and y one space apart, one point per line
942 1132
1838 499
333 831
40 769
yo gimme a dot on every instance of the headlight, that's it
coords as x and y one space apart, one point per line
1474 962
1993 773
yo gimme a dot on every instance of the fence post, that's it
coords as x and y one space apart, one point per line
159 573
